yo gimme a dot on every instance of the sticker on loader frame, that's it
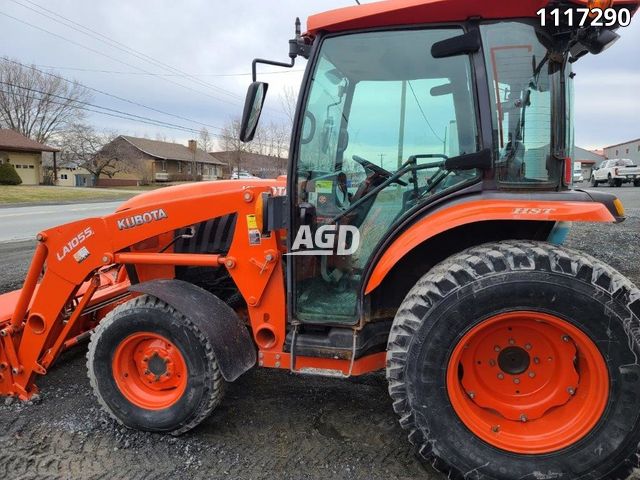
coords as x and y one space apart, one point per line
255 237
252 224
81 255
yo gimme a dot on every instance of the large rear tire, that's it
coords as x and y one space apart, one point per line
520 360
153 369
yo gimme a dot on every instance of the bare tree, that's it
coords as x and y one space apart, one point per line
289 102
230 141
38 104
82 146
205 142
260 142
278 135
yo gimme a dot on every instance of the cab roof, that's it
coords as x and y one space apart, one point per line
414 12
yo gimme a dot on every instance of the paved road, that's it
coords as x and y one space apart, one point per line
629 194
20 223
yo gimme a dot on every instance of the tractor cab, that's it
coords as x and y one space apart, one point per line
394 120
428 190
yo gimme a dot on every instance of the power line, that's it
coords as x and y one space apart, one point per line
112 58
117 45
124 117
102 110
116 72
110 112
423 114
112 95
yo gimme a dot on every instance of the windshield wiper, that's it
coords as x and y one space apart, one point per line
533 82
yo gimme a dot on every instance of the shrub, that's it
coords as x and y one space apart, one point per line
8 175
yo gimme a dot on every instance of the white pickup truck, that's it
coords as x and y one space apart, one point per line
616 172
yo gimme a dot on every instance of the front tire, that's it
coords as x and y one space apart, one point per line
554 300
594 182
152 369
636 183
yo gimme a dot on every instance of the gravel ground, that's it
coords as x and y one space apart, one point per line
270 422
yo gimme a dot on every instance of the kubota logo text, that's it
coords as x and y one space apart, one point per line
142 219
328 239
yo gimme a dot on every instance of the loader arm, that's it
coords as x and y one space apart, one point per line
82 274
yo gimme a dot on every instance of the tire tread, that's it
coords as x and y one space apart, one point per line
213 382
480 261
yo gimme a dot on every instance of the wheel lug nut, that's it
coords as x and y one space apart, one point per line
492 363
472 395
536 360
523 418
501 376
495 428
512 341
565 338
532 374
516 380
496 348
571 391
527 346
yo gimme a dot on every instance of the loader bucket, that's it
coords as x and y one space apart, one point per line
8 303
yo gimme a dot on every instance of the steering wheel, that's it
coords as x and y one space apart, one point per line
376 169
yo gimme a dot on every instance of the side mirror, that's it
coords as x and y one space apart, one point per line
256 95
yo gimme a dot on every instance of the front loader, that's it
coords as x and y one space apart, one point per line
419 231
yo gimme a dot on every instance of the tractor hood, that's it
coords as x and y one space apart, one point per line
191 190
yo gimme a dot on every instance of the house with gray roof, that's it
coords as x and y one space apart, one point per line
159 161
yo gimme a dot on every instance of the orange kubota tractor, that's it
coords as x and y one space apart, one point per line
419 229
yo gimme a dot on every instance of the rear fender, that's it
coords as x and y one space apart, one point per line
478 211
228 336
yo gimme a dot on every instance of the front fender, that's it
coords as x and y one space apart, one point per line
232 345
479 211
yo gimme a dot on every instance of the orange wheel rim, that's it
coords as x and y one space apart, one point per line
528 382
150 371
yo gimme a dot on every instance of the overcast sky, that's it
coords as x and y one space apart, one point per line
210 40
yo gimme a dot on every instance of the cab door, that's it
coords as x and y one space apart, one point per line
377 102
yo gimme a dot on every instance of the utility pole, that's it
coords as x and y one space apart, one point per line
403 115
444 142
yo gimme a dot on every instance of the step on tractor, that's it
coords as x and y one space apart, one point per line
418 231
